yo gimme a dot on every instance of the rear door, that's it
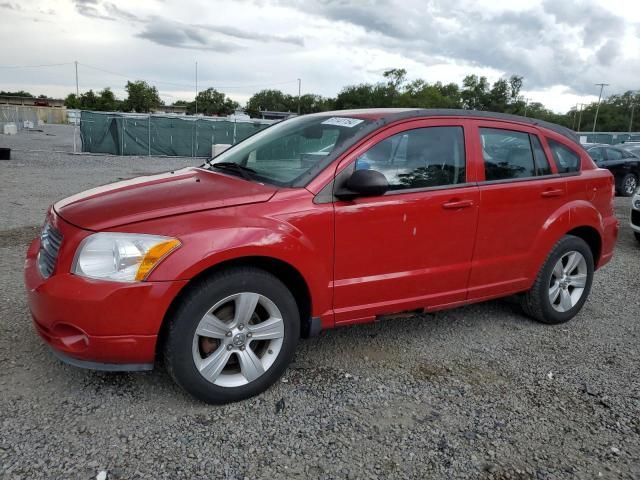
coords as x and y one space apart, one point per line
519 190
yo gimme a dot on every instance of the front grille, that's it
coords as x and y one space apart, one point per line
50 241
635 217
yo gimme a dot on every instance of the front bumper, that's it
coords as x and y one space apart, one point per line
92 323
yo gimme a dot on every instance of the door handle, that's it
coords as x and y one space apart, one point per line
455 204
552 193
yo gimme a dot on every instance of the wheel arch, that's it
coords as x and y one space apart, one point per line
284 271
592 237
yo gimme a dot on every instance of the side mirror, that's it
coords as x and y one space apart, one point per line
363 183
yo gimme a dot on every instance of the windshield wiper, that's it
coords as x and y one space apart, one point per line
245 172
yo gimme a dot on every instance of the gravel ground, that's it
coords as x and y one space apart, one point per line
476 392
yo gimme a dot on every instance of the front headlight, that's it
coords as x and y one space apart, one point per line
122 257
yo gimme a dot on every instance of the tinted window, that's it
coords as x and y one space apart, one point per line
597 154
566 159
507 154
541 160
614 154
420 158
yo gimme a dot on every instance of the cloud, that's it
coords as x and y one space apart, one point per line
255 36
555 43
10 6
176 34
103 11
608 52
179 35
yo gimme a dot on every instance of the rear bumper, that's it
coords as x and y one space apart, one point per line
97 324
610 235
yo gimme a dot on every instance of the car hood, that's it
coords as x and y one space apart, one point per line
144 198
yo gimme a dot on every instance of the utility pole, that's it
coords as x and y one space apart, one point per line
196 88
77 88
633 105
526 103
580 105
595 119
299 90
76 119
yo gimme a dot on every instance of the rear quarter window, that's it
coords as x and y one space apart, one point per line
566 159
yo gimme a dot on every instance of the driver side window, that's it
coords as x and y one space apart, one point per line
419 158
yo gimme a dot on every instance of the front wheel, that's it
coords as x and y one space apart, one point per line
637 235
232 335
563 283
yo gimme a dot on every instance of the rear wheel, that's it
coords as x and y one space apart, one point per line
628 185
563 284
232 336
637 235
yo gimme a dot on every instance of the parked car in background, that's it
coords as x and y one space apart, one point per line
220 269
620 161
633 147
635 214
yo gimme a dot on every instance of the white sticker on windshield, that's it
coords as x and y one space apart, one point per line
343 121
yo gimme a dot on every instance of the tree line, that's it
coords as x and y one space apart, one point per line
394 90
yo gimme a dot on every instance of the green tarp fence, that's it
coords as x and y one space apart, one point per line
142 134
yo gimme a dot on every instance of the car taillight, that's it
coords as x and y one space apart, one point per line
613 195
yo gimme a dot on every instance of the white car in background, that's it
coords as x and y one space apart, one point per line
635 214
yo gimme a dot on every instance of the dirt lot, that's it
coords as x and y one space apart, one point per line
477 392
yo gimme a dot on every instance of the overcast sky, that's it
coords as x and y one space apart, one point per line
560 47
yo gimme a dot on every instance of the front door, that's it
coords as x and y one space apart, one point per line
411 247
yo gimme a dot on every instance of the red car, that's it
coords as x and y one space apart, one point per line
316 222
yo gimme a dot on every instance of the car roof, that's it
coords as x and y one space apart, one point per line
388 115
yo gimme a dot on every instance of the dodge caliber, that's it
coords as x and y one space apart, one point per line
316 222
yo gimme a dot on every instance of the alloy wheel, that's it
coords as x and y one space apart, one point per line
630 185
238 339
568 281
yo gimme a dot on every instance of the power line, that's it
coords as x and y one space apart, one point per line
134 76
186 85
36 66
162 82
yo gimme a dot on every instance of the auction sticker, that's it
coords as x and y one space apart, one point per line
343 121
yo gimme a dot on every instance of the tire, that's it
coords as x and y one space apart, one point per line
229 359
637 235
537 302
628 185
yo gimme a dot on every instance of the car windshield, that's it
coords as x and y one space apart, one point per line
284 152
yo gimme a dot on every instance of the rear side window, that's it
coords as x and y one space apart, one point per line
614 154
419 158
566 159
597 154
507 154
